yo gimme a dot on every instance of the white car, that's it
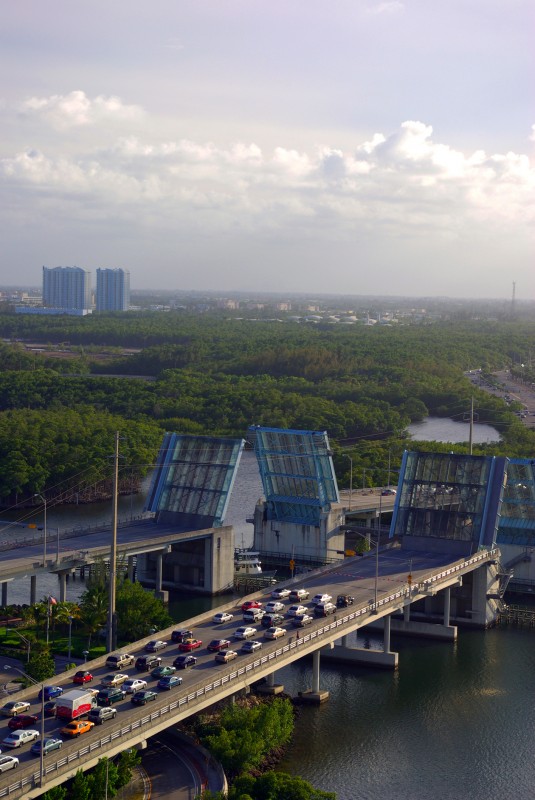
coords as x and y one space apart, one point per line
134 685
321 598
274 633
222 616
8 762
251 647
274 606
244 632
297 610
18 738
280 594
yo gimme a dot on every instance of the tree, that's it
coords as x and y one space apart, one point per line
79 787
57 793
128 760
103 779
94 609
138 610
41 665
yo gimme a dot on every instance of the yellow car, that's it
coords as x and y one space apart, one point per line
77 727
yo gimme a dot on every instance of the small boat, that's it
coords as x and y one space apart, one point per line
247 563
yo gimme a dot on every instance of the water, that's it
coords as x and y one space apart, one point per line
441 429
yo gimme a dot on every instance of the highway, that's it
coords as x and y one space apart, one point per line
208 681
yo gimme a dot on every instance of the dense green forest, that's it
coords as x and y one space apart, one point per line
214 374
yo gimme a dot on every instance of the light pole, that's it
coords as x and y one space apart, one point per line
350 479
42 752
25 640
363 478
44 537
70 638
376 581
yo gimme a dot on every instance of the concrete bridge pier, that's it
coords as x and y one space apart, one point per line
33 590
62 577
315 695
270 687
384 659
4 593
159 591
131 569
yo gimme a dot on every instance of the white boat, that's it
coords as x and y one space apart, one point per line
247 563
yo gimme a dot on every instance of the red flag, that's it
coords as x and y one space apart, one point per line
52 601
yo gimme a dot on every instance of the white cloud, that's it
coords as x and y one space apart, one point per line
76 109
389 7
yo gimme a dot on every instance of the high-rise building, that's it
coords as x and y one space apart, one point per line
66 288
113 290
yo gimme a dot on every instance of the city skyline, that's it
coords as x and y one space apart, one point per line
362 147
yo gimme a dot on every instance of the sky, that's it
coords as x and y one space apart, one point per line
336 146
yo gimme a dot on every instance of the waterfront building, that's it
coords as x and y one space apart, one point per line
67 288
113 290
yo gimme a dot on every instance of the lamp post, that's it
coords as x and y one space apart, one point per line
350 479
376 581
363 478
44 537
25 640
70 637
42 752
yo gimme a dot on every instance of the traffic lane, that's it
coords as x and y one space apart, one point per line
171 775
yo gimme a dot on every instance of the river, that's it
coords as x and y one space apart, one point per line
442 429
455 722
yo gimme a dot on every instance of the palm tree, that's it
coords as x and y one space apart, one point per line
94 610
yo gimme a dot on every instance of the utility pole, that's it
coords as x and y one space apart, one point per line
112 616
471 440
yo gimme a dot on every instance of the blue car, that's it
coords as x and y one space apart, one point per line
51 692
169 682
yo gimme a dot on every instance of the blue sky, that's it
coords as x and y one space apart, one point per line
359 146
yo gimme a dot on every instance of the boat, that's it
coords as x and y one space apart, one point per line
247 564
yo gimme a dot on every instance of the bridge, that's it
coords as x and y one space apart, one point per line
392 580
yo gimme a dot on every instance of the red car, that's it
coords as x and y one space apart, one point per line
189 644
218 644
82 676
22 721
251 604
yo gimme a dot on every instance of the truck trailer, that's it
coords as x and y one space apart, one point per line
75 703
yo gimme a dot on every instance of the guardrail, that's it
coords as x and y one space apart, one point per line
197 694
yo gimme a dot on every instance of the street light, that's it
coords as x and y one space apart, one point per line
350 479
44 538
368 539
70 638
42 752
25 640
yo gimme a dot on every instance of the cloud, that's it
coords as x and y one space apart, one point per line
76 109
405 183
389 7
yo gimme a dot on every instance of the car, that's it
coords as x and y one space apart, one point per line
22 721
188 645
50 708
82 676
169 682
18 738
297 610
344 600
181 634
145 663
8 762
100 715
14 707
280 594
324 609
141 698
218 644
388 491
274 606
251 646
161 672
269 620
114 679
222 616
154 645
77 727
301 621
183 662
224 656
299 595
321 598
134 685
120 661
106 697
51 692
251 604
49 744
244 632
253 615
274 633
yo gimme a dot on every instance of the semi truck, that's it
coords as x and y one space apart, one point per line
75 703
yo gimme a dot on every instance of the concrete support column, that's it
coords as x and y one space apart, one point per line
271 679
208 562
345 640
447 604
131 569
159 577
4 593
386 635
407 613
316 671
33 590
62 586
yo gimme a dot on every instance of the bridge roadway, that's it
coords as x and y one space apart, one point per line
209 682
